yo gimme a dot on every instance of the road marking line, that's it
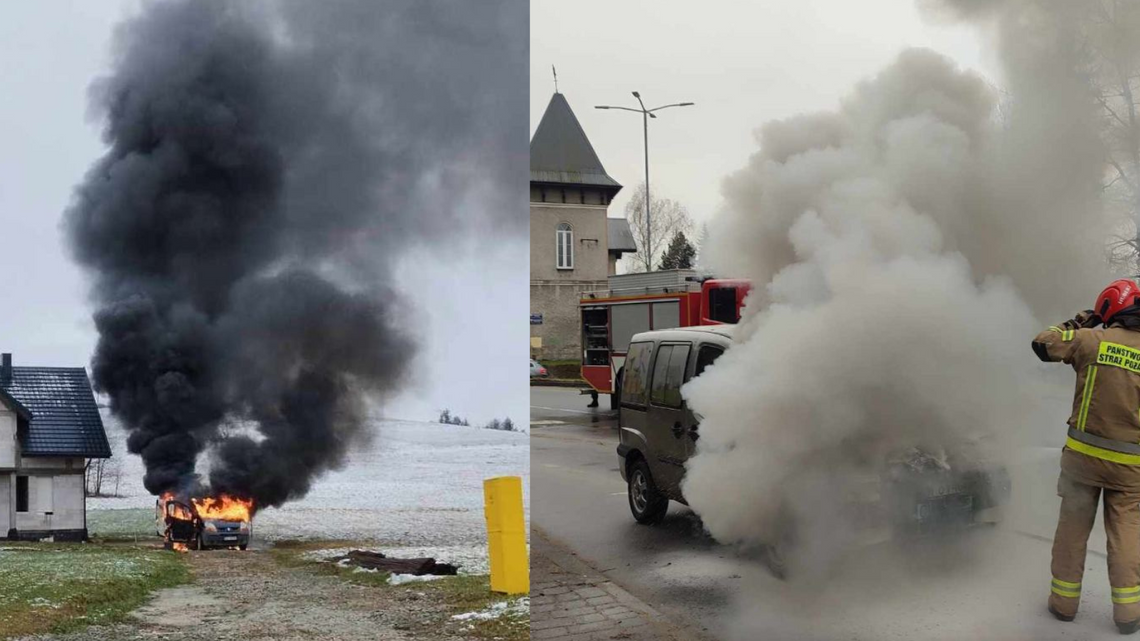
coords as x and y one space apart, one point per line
548 422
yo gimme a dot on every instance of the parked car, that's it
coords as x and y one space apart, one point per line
537 370
910 490
179 522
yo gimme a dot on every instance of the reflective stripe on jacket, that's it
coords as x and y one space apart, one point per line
1105 418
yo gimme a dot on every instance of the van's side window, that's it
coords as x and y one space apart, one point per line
668 374
706 356
635 377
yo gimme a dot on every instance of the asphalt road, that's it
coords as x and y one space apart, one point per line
988 584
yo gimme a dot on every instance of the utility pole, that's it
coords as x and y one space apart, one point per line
646 114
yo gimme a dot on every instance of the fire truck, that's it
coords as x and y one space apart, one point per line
635 303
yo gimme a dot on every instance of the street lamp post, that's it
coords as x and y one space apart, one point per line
646 114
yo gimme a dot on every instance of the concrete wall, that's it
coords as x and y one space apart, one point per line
591 246
561 329
50 465
7 438
7 503
55 501
554 292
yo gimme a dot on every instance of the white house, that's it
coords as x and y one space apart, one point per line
49 426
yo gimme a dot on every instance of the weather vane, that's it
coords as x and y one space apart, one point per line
555 78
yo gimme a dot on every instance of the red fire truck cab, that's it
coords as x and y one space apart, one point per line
636 303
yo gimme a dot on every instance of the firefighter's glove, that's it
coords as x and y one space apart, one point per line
1085 319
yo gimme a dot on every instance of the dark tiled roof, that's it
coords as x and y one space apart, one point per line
65 419
619 235
560 152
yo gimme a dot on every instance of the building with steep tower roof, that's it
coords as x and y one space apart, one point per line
574 247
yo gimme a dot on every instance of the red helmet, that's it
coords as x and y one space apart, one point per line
1117 297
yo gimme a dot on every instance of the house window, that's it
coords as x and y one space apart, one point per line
564 239
21 494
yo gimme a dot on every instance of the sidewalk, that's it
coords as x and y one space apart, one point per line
570 601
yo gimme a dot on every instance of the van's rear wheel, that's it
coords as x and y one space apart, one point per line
646 503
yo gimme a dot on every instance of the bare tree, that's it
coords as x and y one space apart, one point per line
98 471
667 218
112 475
93 476
1110 50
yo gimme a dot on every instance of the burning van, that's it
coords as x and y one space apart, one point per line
200 524
887 491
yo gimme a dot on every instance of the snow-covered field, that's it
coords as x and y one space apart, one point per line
417 484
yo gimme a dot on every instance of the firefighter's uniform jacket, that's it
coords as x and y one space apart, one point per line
1101 455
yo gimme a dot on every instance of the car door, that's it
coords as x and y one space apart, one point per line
707 353
667 423
632 417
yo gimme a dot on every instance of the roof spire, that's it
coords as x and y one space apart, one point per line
560 152
555 78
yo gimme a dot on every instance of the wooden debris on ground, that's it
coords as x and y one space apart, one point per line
377 561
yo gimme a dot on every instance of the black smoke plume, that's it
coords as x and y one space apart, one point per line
267 163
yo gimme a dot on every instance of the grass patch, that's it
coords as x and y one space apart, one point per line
59 587
132 523
472 593
450 596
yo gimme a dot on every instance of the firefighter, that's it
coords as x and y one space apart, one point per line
1101 455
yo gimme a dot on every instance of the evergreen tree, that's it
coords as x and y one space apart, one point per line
680 253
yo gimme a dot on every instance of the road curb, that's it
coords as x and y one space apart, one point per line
559 382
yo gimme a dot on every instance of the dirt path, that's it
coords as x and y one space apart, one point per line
247 596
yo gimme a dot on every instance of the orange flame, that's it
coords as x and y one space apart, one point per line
224 508
181 511
179 547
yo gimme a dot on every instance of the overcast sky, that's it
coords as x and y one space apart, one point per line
472 301
743 63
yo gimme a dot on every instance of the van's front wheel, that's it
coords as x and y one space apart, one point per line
645 502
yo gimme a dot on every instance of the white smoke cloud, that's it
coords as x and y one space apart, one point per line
904 249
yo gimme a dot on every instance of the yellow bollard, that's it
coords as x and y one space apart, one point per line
506 535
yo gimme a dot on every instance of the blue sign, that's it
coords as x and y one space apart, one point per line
536 319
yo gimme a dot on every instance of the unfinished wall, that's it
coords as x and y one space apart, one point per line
7 504
7 438
56 499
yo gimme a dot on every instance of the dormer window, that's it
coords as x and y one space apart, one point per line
564 240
